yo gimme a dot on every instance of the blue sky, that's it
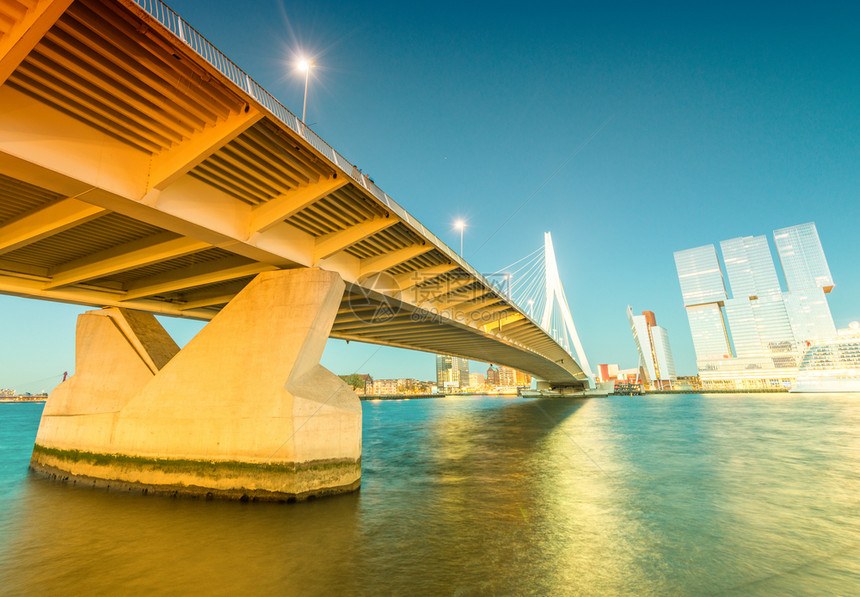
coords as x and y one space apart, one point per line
717 121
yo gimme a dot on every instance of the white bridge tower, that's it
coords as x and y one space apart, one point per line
537 288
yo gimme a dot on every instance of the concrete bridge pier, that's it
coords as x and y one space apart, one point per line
244 411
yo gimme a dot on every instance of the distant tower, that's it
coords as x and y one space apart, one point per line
492 376
451 371
652 343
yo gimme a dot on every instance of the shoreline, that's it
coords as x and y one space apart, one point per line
42 399
398 396
745 391
389 397
370 398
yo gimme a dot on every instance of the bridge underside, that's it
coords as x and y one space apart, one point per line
128 255
134 172
380 318
142 171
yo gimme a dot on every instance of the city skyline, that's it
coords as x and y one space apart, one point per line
583 116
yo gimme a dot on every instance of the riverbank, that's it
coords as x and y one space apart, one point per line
410 396
400 396
759 391
588 394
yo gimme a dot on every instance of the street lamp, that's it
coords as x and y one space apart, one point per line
306 65
460 225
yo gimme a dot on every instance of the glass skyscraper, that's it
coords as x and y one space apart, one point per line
704 295
768 328
700 276
758 320
749 266
803 263
810 315
808 278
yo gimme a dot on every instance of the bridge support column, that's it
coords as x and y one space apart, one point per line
244 411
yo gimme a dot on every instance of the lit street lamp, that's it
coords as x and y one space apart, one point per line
306 65
460 224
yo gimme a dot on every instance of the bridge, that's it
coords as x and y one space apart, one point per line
142 172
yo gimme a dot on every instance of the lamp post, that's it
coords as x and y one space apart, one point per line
306 65
460 225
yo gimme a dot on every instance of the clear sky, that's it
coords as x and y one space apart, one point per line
718 121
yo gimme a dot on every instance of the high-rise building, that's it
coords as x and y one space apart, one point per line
758 320
768 328
652 343
451 372
808 278
809 315
507 376
492 376
749 266
803 263
524 380
704 294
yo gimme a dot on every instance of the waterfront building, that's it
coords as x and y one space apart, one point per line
756 336
635 375
810 315
758 320
606 372
807 275
451 372
405 386
655 354
492 376
524 380
704 294
476 380
384 387
507 377
688 382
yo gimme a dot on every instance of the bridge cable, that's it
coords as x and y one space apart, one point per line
539 249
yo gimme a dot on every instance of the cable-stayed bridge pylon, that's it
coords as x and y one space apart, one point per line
534 284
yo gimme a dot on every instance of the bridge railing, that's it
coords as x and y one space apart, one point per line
204 48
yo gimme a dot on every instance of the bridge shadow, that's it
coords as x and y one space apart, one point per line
474 494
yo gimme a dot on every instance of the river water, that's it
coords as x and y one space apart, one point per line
655 495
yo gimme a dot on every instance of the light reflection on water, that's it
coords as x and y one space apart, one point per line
658 495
